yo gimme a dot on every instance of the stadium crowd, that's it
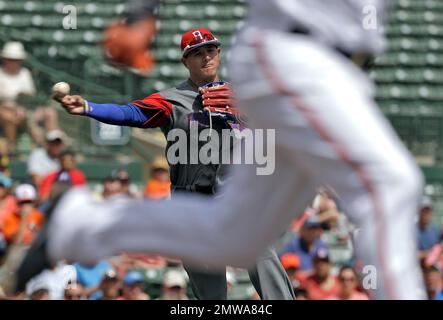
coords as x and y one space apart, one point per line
316 251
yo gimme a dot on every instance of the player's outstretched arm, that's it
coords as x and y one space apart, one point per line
136 114
74 104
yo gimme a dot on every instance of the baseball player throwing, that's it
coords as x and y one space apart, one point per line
293 72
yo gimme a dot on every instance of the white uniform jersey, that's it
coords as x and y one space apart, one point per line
351 25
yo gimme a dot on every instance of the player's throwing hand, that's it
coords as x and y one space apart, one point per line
74 104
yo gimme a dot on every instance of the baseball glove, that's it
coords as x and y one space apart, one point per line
219 103
128 44
218 94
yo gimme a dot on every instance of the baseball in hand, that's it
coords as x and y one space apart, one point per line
60 89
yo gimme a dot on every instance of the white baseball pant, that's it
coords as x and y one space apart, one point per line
328 131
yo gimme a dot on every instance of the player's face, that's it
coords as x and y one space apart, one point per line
203 63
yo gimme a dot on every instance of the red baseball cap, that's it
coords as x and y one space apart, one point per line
196 38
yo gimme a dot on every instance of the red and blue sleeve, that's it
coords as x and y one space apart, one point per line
150 112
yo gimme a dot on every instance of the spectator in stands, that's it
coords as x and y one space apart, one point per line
329 215
111 186
337 229
43 119
8 202
110 286
428 234
349 285
15 80
291 264
125 180
5 171
326 208
321 284
55 280
42 161
301 294
117 183
58 181
39 292
159 185
174 286
133 287
90 277
22 225
433 282
306 243
74 291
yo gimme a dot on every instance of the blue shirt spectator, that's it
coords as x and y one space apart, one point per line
92 276
428 234
433 281
306 244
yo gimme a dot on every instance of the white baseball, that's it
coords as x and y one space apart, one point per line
60 89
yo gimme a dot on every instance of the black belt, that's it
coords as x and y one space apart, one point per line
193 188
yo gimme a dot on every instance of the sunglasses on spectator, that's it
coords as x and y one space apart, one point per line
25 202
175 288
349 279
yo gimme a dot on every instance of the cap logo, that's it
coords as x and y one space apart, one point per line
197 35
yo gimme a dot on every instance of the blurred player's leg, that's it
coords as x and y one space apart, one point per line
324 112
234 233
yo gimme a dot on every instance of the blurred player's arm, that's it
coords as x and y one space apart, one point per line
150 112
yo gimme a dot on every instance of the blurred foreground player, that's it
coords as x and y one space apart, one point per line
293 71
